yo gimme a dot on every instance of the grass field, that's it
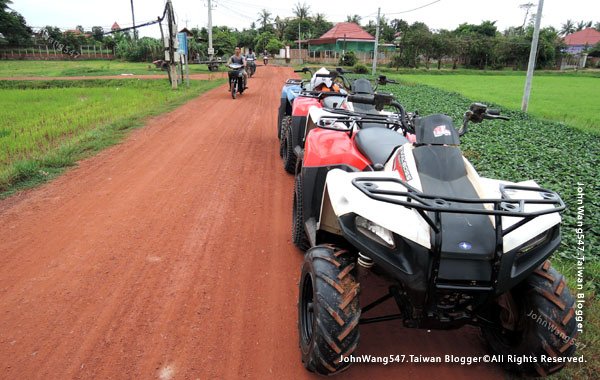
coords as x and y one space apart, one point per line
574 100
82 68
47 126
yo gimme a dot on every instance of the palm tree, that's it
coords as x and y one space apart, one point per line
582 25
264 19
355 19
597 26
280 25
301 10
567 28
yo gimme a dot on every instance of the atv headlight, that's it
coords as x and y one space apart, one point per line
374 231
534 243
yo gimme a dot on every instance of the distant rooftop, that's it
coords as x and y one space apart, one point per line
344 30
588 36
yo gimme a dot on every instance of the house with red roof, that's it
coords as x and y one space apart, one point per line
579 41
344 36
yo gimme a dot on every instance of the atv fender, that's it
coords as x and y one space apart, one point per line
344 198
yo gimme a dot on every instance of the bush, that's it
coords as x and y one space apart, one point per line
359 68
274 45
348 59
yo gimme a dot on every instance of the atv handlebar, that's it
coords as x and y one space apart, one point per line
304 70
477 113
380 101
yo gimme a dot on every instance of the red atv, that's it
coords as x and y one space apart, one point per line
293 131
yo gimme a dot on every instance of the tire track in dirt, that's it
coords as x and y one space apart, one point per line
170 255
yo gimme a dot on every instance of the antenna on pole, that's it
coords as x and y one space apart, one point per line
532 56
376 43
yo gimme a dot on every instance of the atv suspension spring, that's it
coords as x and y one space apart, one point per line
365 261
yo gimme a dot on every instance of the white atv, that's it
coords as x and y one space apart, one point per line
456 248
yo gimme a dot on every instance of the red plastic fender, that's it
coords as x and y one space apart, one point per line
302 104
325 147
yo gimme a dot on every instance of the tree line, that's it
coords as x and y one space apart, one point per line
470 45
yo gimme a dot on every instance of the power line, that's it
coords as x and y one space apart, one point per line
237 13
414 9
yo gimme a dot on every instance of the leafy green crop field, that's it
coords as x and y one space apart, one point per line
556 157
82 68
573 100
46 126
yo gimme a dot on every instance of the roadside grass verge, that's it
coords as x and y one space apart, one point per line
568 98
83 68
47 126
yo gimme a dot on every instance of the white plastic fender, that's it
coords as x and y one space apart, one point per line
346 198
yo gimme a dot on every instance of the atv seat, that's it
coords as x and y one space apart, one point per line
362 86
377 144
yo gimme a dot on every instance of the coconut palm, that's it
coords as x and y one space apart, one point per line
264 19
581 25
301 10
567 28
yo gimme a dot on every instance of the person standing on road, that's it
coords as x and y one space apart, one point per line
238 58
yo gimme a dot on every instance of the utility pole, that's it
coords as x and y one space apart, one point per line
299 46
376 43
532 56
211 51
133 18
172 36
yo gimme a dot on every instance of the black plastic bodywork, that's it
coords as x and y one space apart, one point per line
436 129
313 185
298 130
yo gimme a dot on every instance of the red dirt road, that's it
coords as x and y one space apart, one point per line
169 256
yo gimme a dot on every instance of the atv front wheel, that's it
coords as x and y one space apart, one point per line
286 123
298 233
541 321
289 157
328 310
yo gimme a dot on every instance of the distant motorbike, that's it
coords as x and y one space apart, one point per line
265 60
237 82
250 67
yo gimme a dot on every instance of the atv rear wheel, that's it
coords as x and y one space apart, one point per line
298 233
286 123
542 324
328 310
289 157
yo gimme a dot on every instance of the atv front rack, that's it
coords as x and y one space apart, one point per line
431 207
422 203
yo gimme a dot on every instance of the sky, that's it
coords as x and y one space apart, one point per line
441 14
